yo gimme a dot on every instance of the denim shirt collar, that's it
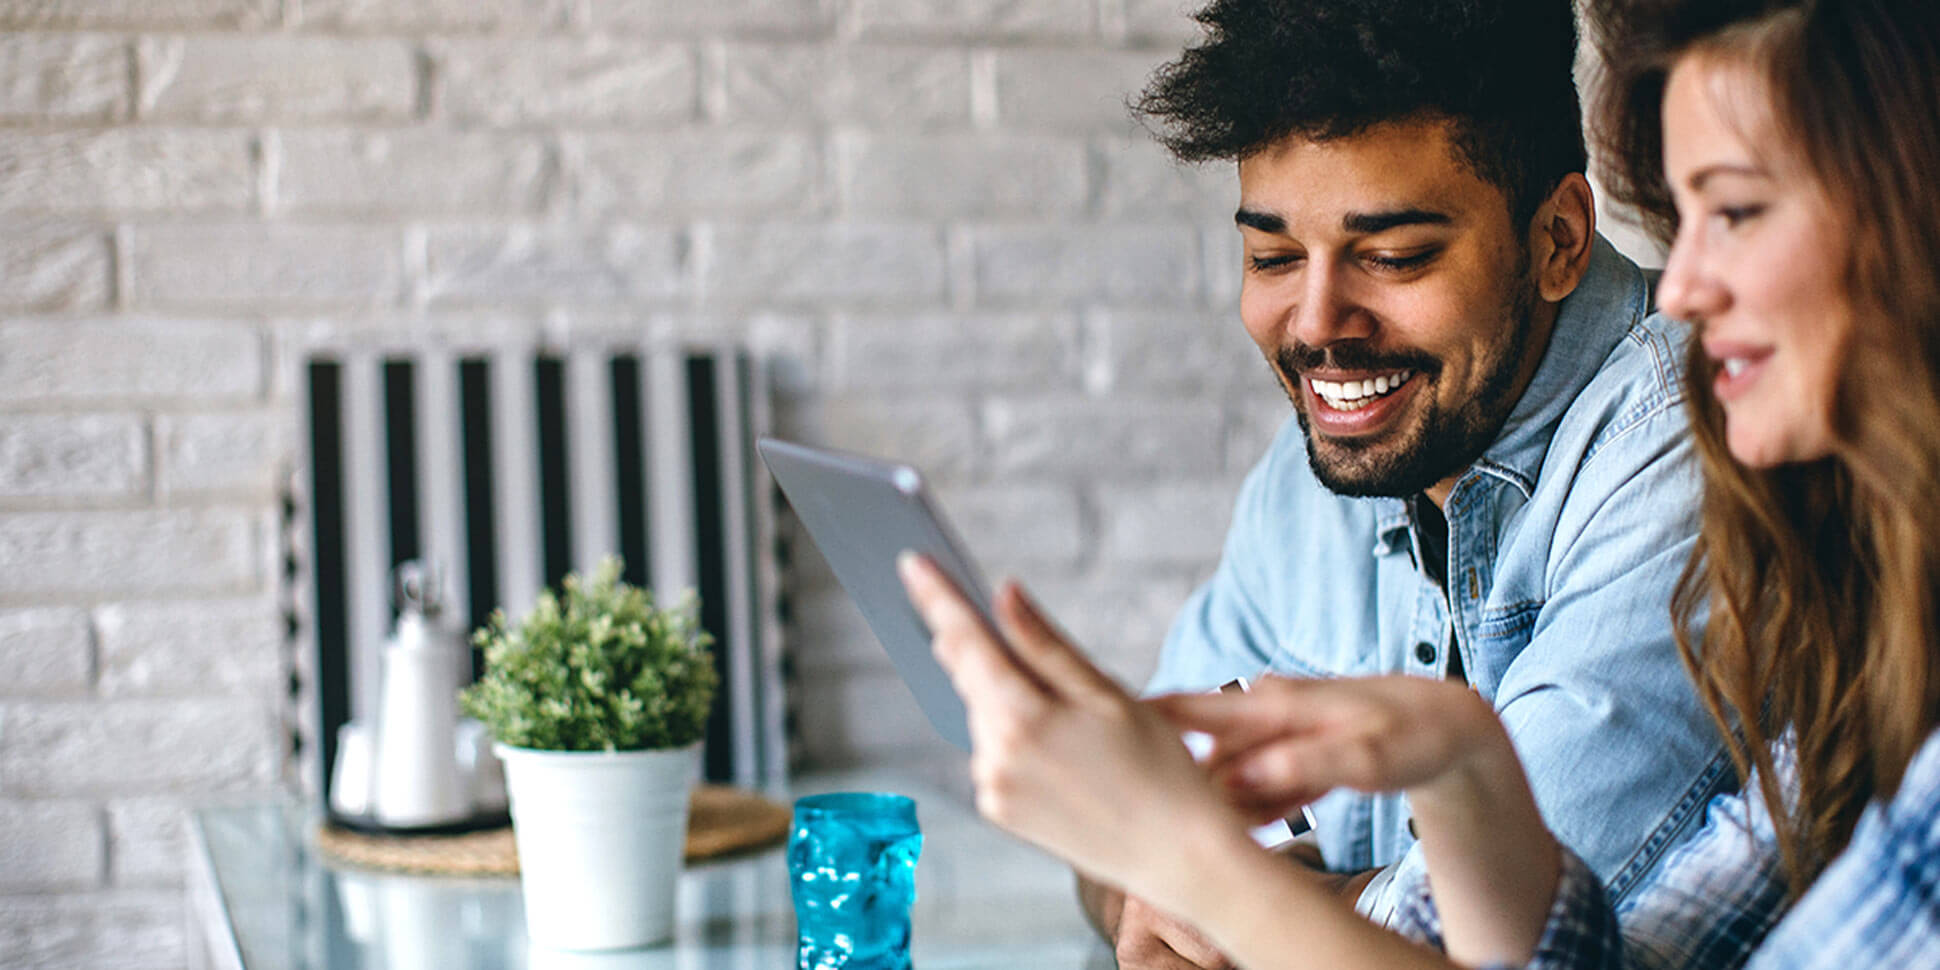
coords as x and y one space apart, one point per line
1609 300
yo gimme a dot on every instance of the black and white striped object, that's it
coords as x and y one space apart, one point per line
511 469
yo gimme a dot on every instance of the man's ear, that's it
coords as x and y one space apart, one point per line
1560 237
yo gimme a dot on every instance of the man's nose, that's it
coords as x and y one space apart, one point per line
1328 311
1689 290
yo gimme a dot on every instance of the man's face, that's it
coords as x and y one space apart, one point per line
1393 297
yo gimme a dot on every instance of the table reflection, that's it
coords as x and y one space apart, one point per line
269 902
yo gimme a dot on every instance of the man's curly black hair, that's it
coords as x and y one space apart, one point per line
1498 70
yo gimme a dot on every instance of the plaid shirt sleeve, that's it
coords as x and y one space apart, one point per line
1581 932
1878 903
1711 904
1715 900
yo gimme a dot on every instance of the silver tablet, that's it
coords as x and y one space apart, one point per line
862 512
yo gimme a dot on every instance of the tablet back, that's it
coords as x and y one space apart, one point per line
861 513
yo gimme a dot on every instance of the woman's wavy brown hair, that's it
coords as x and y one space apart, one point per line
1821 579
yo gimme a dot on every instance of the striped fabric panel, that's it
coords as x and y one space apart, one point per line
512 468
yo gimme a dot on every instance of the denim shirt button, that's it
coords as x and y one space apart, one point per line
1425 652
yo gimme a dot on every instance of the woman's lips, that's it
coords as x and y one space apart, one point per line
1739 367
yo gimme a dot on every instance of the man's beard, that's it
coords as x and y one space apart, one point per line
1441 443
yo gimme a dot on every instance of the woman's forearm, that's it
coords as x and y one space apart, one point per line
1492 863
1267 915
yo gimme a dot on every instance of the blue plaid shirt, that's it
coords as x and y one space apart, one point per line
1718 901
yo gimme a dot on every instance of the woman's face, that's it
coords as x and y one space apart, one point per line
1758 263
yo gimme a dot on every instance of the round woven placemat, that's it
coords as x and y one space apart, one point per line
720 820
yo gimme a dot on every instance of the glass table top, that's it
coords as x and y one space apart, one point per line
270 902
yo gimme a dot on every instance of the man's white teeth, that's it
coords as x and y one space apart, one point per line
1354 395
1733 366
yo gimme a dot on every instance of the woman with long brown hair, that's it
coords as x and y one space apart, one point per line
1786 149
1820 549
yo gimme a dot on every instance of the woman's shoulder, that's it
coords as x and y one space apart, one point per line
1916 805
1874 905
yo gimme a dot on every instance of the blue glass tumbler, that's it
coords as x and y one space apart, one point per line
852 872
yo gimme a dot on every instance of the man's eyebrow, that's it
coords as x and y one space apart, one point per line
1263 221
1369 223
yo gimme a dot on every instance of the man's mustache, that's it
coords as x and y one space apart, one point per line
1352 356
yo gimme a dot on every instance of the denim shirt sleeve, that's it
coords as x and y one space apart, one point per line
1223 631
1619 751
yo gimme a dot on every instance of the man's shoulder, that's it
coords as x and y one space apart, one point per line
1628 430
1637 390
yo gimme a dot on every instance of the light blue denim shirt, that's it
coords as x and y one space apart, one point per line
1565 540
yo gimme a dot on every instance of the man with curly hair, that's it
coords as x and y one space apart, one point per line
1488 474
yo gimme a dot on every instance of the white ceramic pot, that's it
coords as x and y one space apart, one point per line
600 838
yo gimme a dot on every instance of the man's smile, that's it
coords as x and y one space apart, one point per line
1341 404
1354 393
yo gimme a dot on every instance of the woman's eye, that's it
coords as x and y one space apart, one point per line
1396 263
1734 216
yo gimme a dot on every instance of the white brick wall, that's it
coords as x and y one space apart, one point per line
188 647
379 173
973 19
120 171
79 456
883 86
932 217
432 15
583 81
256 78
525 264
251 264
1128 265
67 77
967 351
127 358
70 553
56 845
966 175
102 930
54 265
44 653
736 173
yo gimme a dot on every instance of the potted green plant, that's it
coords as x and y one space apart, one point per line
597 699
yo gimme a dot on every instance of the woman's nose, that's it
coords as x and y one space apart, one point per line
1689 290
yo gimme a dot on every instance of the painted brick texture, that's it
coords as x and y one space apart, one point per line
933 218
